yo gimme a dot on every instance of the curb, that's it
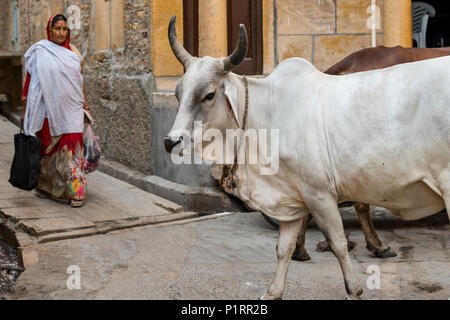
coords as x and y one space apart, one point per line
205 200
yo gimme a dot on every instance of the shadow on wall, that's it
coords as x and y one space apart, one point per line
196 175
10 83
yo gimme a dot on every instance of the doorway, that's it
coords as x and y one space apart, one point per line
247 12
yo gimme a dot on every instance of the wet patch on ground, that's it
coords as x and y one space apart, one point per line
405 252
427 287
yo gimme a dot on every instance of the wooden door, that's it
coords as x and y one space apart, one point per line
248 12
190 26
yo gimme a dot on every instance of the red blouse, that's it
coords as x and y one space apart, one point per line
26 85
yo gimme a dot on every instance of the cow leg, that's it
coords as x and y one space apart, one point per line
300 253
326 214
444 186
288 232
374 244
447 204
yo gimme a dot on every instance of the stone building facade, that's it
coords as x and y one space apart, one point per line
130 71
6 24
10 59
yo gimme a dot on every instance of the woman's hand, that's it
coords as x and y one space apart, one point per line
86 118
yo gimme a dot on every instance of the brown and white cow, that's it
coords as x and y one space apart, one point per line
364 60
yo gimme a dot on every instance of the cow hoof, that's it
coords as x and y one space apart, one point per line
350 245
268 296
352 297
386 253
300 255
323 246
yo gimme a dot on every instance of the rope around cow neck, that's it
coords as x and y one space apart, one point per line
228 175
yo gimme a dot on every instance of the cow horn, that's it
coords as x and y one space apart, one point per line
238 55
180 52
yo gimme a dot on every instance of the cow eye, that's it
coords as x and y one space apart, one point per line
209 96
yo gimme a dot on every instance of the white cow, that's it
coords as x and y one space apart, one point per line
380 137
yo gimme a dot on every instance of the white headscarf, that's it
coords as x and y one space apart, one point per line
56 89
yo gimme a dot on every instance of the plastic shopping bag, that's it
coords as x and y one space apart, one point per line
91 150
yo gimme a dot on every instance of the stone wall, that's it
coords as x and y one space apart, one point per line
10 80
113 37
5 25
322 31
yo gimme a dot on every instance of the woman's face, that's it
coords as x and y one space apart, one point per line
59 32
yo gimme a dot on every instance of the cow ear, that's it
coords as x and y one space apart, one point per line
231 96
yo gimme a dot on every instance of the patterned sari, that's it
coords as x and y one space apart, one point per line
62 165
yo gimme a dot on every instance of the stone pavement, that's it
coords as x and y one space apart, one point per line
111 205
233 257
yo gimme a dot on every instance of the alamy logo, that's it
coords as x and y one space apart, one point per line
374 21
74 280
259 147
374 280
74 17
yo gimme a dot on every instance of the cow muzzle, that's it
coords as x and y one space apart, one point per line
170 143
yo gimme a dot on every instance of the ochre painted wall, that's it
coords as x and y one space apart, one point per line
398 23
163 60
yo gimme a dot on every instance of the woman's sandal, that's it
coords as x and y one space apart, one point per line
76 203
41 194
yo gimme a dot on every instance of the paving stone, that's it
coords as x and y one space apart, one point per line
68 235
34 213
48 204
24 239
166 204
134 201
195 219
15 195
28 256
45 226
98 212
7 187
142 221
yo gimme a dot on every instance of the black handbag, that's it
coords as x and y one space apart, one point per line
26 165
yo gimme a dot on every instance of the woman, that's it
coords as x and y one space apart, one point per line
52 109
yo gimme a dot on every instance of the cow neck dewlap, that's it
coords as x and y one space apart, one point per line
258 96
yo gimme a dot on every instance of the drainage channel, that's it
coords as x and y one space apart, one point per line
9 268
